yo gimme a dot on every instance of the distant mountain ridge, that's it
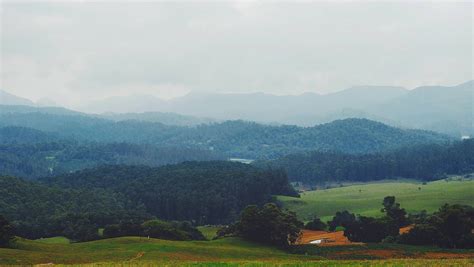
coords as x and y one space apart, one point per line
446 109
9 99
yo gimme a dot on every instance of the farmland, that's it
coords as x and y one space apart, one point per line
227 252
366 199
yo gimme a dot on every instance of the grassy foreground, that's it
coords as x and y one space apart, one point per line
367 199
135 251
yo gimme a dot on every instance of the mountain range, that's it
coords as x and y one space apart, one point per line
444 109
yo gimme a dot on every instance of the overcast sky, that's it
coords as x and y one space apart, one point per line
73 52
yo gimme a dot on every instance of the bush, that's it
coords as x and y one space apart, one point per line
171 230
6 232
269 225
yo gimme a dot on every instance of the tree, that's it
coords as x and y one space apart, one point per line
268 224
112 230
394 212
6 232
316 224
342 218
373 230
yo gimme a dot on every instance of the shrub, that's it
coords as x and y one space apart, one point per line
268 224
171 230
6 232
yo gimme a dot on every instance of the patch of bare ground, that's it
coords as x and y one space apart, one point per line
329 238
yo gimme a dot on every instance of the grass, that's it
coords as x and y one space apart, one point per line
209 232
143 249
135 251
366 199
54 240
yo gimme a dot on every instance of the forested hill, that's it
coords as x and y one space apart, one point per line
207 192
425 162
77 204
232 138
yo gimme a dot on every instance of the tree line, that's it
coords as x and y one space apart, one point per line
424 162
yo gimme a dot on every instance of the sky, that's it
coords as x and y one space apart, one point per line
74 52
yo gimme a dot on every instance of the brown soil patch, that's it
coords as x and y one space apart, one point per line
333 238
406 229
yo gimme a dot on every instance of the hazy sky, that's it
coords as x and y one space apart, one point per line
71 52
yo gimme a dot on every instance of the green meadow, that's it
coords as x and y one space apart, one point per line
136 251
366 199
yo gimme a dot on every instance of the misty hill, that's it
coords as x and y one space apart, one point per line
125 104
30 153
9 99
161 117
439 108
258 107
23 135
232 138
8 109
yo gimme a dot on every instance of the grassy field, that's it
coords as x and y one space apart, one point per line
54 240
366 199
135 251
209 231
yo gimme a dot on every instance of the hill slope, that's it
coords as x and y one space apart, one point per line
366 199
232 138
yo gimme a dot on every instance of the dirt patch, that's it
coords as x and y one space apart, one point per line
328 238
406 229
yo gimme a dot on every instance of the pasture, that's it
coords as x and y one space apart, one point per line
136 251
366 199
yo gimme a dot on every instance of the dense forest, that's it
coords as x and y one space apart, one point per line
78 204
238 139
31 154
424 162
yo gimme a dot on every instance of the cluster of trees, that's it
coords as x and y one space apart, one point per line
170 230
267 224
76 205
36 210
451 227
373 230
212 192
426 162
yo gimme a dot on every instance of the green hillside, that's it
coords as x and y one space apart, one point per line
366 199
